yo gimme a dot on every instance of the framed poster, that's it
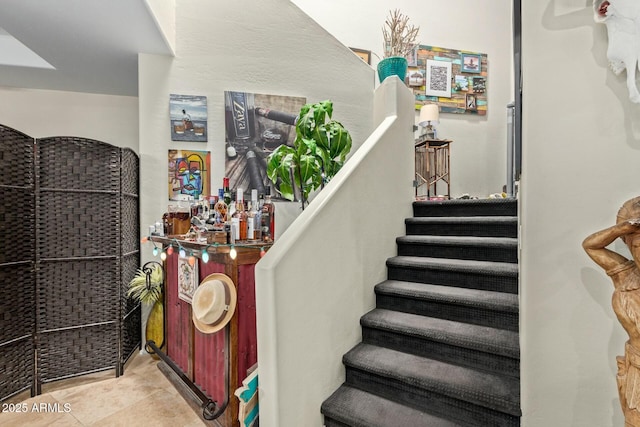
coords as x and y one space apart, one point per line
415 76
188 116
438 79
189 174
255 125
187 279
471 63
365 55
472 102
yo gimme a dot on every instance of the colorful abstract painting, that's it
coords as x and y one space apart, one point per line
189 174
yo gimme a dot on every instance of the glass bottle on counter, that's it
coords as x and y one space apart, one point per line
268 217
239 218
227 198
220 211
254 229
259 215
211 219
227 191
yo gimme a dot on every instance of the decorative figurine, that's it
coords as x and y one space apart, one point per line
625 275
622 18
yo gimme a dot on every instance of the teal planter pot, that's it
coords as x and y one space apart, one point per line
392 66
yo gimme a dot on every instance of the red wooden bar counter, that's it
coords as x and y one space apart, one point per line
201 356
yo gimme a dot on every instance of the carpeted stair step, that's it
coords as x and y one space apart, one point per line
500 249
480 226
470 397
350 407
464 344
485 275
479 307
466 207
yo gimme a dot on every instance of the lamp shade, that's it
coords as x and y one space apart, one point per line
429 113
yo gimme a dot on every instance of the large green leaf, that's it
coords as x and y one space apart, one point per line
275 160
286 191
279 167
319 151
340 140
306 122
307 168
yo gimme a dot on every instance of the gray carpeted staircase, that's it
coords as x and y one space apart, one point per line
441 347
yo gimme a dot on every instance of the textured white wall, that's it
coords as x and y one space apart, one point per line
478 152
244 46
580 163
42 113
164 13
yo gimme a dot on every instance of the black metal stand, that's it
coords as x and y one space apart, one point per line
210 411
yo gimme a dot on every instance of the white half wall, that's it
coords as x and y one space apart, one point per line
43 113
317 280
581 151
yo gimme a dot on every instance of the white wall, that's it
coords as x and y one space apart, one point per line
164 13
580 163
316 282
43 113
245 46
478 152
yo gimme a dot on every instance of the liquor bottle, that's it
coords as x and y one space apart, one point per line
253 226
268 217
227 199
194 205
211 219
259 216
220 211
239 218
227 192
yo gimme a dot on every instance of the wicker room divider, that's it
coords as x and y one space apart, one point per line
69 246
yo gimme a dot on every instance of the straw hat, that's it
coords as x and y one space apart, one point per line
213 303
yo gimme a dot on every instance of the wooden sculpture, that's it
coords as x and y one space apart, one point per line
625 275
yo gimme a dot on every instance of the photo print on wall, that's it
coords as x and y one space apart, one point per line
188 116
189 174
255 125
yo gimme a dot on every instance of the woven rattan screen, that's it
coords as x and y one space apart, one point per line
17 251
84 250
130 258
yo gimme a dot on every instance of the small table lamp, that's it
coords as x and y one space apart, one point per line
429 113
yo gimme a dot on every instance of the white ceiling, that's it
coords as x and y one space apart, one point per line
92 45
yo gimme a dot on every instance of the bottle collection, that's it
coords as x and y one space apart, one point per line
216 219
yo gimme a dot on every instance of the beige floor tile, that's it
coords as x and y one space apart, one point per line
78 381
113 394
43 410
143 396
161 409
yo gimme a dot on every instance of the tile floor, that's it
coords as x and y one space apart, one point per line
143 396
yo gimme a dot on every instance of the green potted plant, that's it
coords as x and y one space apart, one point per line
319 151
399 41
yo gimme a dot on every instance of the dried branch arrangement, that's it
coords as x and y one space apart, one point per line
399 36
